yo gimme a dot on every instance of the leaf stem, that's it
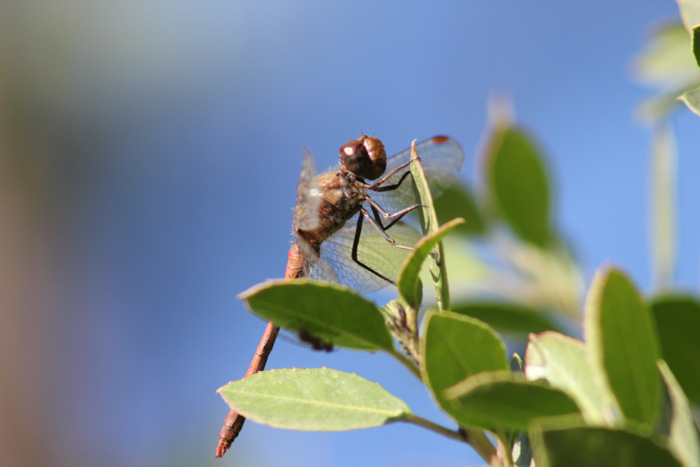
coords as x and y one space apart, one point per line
481 444
439 429
476 439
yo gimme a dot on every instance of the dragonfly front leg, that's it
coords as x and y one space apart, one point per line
395 217
395 186
376 185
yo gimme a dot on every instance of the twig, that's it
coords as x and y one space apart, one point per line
476 439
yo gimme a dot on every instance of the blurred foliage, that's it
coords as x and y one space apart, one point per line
667 64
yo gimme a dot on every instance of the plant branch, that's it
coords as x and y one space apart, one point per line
476 439
481 444
439 429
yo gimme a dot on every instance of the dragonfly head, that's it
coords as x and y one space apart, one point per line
364 157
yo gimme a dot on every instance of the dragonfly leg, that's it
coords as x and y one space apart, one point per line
356 242
390 187
395 217
376 185
381 231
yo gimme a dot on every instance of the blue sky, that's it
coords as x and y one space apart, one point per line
173 138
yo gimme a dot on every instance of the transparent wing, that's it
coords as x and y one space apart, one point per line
306 207
313 266
441 158
373 250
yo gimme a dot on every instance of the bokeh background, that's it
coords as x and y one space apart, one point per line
149 155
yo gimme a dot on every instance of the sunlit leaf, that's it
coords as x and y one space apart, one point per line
330 313
668 63
623 345
503 400
683 438
455 347
562 361
314 399
667 59
690 12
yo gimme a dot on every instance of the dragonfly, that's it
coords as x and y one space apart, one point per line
332 242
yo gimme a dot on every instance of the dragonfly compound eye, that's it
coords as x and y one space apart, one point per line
364 157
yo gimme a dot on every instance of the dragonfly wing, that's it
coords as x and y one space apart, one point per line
373 251
441 158
313 266
306 207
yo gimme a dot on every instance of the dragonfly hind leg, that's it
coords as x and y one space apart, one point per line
381 229
356 242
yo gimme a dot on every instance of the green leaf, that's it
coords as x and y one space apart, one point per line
429 223
428 218
409 278
683 439
458 201
663 206
667 60
507 317
561 360
596 446
314 399
678 322
502 400
328 312
696 44
668 63
692 100
623 346
455 347
690 12
518 184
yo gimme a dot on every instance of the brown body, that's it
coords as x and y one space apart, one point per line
341 196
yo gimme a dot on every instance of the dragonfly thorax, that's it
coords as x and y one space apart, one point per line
340 199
